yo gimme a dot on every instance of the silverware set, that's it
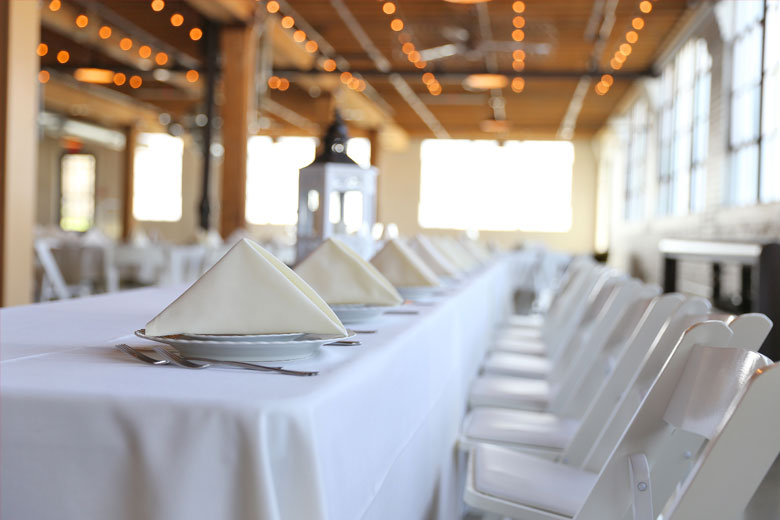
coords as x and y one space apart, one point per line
171 358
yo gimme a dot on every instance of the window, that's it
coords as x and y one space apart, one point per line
636 168
157 178
770 118
520 186
77 191
745 101
684 131
272 179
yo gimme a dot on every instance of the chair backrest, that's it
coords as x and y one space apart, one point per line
571 370
51 270
666 320
599 285
573 294
691 396
736 458
589 378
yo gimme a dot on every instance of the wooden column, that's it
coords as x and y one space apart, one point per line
131 134
19 90
238 47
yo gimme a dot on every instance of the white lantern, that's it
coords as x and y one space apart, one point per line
336 198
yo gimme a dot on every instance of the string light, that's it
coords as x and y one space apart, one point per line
421 64
125 44
196 34
518 54
428 78
414 56
518 85
619 56
144 51
397 24
119 79
518 65
43 76
158 5
518 7
192 75
625 49
388 8
273 82
284 84
518 21
82 21
518 35
63 56
601 88
55 5
135 81
615 64
311 46
288 22
161 58
637 23
177 19
645 6
299 36
105 32
407 47
272 7
632 36
607 79
345 77
42 49
329 65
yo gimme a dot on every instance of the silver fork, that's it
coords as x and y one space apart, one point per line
170 358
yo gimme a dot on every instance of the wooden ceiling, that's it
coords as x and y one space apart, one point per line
562 45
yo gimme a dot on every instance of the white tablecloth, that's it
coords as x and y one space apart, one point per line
89 433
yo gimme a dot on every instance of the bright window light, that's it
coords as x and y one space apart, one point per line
157 178
359 150
77 198
520 186
272 178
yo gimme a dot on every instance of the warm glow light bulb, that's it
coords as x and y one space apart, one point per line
161 58
625 49
518 7
82 21
518 54
43 76
125 44
158 5
299 36
105 32
119 79
42 49
272 6
637 23
645 6
192 75
329 65
518 35
518 21
311 46
63 56
428 78
144 51
196 34
388 8
284 84
55 5
176 20
607 79
273 82
632 37
345 77
136 81
287 22
397 24
518 84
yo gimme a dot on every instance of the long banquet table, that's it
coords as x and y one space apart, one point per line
89 433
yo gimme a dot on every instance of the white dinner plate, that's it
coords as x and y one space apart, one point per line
237 347
349 314
418 293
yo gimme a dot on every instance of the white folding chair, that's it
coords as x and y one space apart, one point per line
623 308
551 432
682 408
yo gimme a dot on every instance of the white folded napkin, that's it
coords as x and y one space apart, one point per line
474 249
403 267
438 263
449 247
341 276
249 291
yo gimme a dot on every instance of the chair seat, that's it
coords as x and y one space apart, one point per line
520 333
530 481
533 347
526 320
510 392
522 365
535 429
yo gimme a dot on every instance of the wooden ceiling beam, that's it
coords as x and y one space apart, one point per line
226 11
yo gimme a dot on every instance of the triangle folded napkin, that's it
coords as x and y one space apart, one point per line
450 248
341 276
431 256
249 291
403 267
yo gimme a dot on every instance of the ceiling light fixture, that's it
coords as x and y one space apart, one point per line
485 81
93 75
